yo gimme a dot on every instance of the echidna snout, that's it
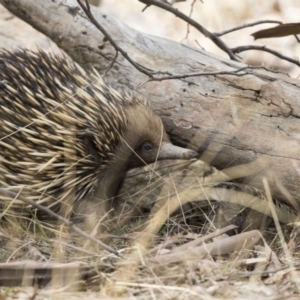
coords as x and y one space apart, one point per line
65 136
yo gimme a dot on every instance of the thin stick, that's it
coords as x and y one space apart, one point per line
65 221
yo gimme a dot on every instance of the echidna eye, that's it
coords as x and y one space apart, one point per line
147 147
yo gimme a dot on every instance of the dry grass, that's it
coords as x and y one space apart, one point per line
183 256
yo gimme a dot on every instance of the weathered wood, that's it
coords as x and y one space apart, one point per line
72 276
254 118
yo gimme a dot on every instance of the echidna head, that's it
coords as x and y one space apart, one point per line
145 140
134 136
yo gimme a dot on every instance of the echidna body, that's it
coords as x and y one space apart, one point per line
65 134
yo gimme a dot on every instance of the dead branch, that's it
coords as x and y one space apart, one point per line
265 49
6 193
213 37
247 25
87 9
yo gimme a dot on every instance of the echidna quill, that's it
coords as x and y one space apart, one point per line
66 137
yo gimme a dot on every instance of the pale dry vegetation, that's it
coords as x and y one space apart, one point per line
199 243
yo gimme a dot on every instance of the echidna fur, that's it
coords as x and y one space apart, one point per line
65 133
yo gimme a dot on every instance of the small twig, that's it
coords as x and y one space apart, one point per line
5 192
245 26
203 239
112 63
255 47
87 11
265 49
188 25
237 73
213 37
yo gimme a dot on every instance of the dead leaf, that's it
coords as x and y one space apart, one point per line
278 31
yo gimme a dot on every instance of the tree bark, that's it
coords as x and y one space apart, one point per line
233 120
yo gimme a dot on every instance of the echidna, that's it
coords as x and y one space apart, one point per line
66 136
